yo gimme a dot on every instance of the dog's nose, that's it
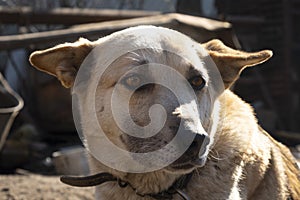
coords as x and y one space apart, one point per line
196 153
197 141
200 144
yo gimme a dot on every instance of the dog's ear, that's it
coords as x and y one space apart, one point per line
231 62
62 61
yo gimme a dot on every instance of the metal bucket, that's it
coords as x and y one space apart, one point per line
10 105
71 161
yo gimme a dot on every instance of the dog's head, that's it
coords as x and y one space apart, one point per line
144 69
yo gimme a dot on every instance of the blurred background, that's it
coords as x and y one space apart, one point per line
41 137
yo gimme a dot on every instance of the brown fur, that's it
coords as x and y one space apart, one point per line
244 161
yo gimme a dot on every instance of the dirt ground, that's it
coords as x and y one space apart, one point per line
37 187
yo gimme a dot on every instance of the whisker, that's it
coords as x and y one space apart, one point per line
217 157
197 172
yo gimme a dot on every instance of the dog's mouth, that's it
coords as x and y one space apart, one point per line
189 165
197 162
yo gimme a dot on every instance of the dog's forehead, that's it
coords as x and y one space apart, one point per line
149 44
143 37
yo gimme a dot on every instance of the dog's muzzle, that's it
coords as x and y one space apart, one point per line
195 155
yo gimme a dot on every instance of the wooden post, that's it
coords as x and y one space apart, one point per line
200 29
66 16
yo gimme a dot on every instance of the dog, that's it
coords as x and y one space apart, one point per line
229 157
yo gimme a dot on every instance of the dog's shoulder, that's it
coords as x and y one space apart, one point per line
285 159
238 124
268 160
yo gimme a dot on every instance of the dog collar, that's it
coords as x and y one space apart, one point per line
98 179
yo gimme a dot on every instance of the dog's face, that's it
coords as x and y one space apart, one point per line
154 66
137 76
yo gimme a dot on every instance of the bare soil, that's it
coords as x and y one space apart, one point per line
38 187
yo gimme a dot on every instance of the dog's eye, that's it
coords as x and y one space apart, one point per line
197 82
132 81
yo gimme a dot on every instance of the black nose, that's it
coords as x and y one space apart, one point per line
199 145
204 145
196 153
198 140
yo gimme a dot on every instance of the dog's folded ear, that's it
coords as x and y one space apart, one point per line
62 61
231 62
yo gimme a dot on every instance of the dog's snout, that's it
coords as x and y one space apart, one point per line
199 138
205 140
197 141
196 154
200 144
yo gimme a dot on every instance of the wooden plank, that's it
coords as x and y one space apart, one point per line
66 16
245 20
198 28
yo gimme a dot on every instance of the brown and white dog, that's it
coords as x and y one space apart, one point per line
238 161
